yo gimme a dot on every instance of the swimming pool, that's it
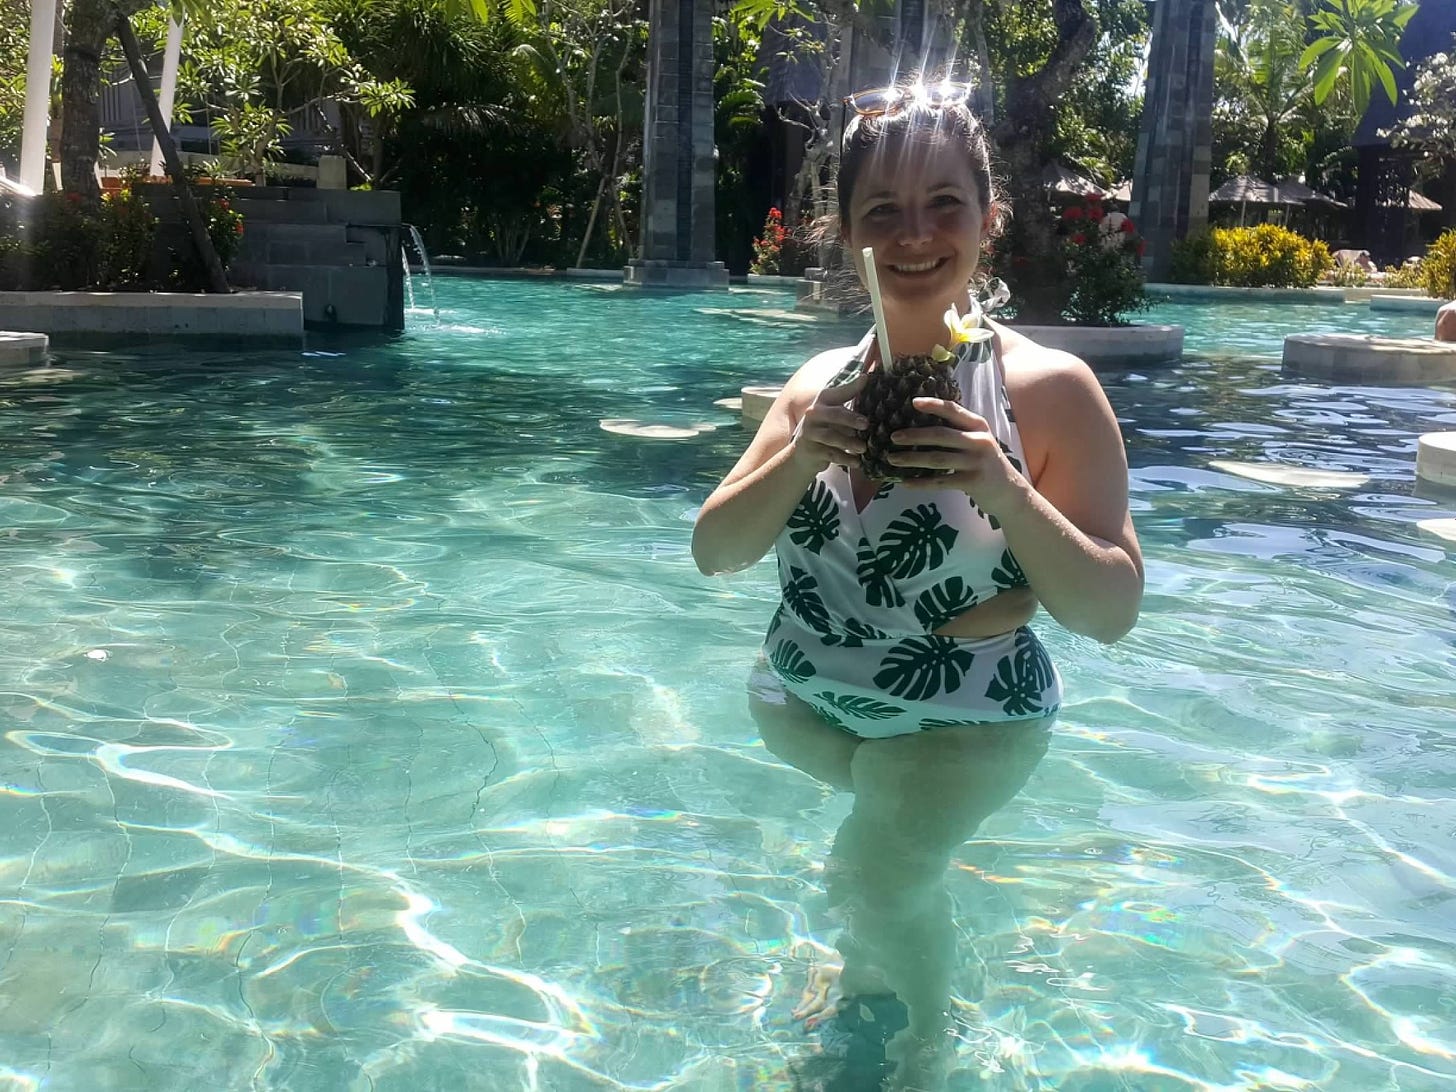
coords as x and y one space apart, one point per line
367 726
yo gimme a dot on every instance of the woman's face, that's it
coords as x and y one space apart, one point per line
916 202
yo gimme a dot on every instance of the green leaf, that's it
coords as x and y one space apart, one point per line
1387 81
815 522
854 634
936 607
788 660
917 541
776 621
919 668
801 595
1022 679
1315 51
1325 74
861 707
1008 574
872 573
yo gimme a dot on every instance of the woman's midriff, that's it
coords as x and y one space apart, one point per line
1000 614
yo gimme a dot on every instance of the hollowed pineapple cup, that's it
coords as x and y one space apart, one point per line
887 403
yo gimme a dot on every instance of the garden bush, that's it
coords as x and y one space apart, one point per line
1438 268
1104 261
1349 275
59 241
1406 276
1266 256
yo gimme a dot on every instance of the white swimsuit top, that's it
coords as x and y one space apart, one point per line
914 558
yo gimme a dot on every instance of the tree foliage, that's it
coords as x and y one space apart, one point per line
1431 127
252 68
14 36
1262 91
1359 42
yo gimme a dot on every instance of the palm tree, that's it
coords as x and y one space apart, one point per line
1361 40
1259 61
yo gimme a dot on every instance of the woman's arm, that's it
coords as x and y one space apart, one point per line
1071 533
804 430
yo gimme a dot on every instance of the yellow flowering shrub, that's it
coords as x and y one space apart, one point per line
1438 268
1266 256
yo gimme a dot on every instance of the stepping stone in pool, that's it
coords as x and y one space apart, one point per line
1365 358
1293 476
1436 459
1441 528
644 430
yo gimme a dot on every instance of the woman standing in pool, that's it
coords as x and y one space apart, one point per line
899 665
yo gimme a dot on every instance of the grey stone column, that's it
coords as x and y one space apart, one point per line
1175 139
678 170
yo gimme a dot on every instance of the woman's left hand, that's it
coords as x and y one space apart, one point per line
964 447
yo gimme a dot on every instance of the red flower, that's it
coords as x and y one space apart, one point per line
1071 212
223 204
775 214
1127 227
1079 238
238 228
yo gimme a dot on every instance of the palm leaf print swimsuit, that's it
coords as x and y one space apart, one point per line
863 593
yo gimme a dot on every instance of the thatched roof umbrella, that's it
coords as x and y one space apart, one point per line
1293 187
1063 182
1421 203
1245 191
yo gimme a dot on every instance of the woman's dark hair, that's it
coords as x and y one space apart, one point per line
954 123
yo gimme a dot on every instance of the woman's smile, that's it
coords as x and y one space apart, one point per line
915 269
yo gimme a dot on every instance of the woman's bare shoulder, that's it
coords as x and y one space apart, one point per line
1041 375
816 372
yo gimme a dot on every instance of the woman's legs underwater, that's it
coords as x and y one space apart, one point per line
917 798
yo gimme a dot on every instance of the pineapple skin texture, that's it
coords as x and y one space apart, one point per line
885 402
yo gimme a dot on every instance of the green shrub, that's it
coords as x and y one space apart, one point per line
58 240
1349 275
1104 255
1266 256
125 245
71 232
224 227
1406 276
1193 259
1438 268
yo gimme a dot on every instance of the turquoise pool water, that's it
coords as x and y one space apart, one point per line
367 726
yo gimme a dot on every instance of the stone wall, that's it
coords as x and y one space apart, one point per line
339 248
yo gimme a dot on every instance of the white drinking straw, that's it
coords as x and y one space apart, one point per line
882 332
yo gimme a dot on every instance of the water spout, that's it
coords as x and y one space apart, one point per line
409 284
419 242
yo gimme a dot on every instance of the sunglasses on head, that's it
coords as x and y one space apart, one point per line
884 101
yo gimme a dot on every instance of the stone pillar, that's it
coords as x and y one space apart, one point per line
678 169
1175 139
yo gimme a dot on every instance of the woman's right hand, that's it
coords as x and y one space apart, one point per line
830 432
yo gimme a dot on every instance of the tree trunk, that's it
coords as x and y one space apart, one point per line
591 221
88 25
216 278
1036 272
983 98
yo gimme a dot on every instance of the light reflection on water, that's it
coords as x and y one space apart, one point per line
367 726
